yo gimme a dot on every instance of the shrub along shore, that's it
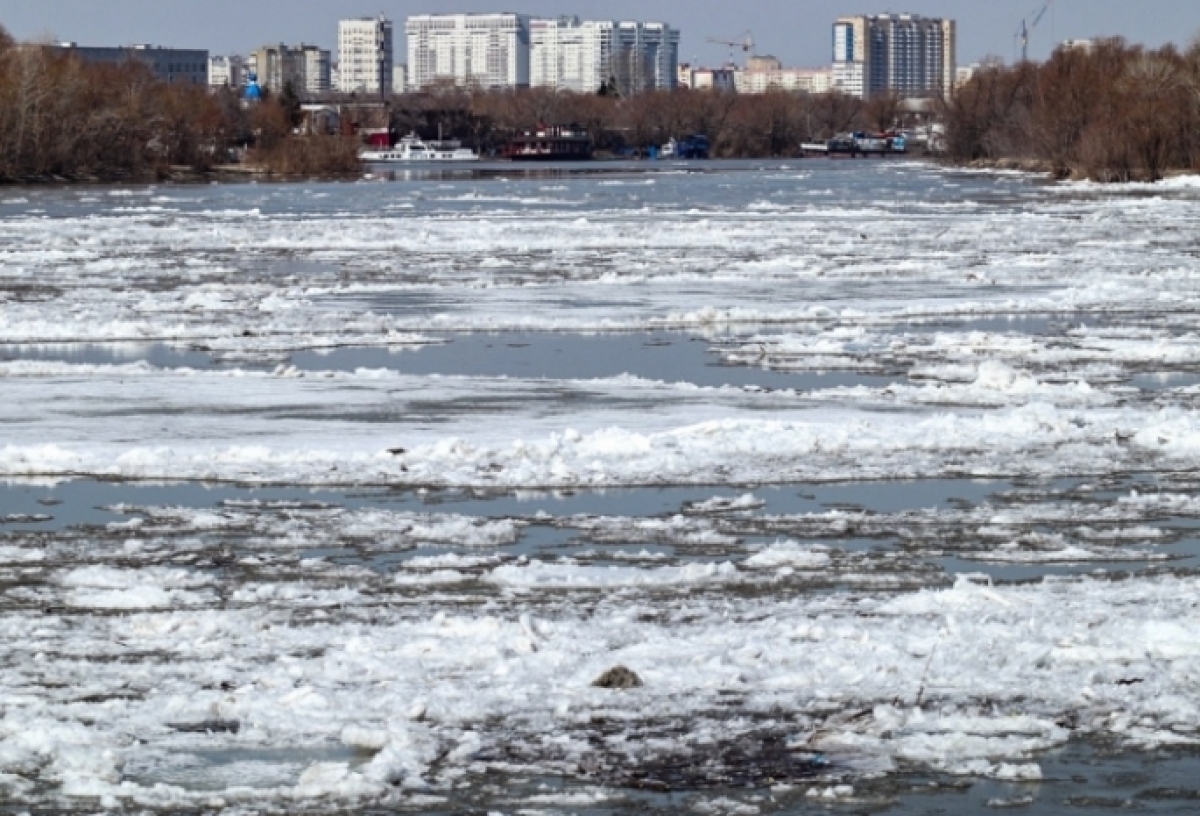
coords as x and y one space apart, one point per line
1108 112
61 119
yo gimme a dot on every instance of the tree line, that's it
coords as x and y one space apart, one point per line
1108 112
62 118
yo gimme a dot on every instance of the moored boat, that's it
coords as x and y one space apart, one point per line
550 143
693 147
414 149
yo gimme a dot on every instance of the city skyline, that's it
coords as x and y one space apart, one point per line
795 31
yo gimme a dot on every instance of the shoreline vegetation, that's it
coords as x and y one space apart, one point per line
1107 112
1111 112
64 120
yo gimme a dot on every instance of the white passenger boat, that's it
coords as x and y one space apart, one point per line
413 149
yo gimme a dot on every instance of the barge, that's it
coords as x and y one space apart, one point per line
549 143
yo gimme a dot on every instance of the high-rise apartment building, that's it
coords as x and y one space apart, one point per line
487 50
645 56
904 54
570 54
581 56
365 55
305 67
763 74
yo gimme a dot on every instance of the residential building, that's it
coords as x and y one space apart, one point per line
645 56
569 54
365 56
582 55
175 65
226 72
766 73
708 79
903 54
318 69
486 50
305 67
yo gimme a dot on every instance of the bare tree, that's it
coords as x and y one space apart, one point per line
882 111
1153 90
833 113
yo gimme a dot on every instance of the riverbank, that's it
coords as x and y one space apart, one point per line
180 175
1046 168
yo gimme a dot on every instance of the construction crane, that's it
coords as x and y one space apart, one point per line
1027 28
746 43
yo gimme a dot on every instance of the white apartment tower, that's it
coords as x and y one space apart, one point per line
365 55
905 54
487 50
569 54
581 56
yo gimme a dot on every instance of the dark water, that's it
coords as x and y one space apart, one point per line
1082 777
550 518
667 356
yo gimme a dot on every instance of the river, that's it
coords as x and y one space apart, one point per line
878 478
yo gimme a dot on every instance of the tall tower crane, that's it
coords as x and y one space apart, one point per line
746 43
1027 28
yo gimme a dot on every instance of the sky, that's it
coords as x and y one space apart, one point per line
796 31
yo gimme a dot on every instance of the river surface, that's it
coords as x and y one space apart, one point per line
875 482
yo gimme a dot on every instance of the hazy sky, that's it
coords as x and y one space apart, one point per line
796 31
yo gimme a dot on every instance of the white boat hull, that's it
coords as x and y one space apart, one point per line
412 150
393 156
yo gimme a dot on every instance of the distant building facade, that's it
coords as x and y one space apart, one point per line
570 54
903 54
583 55
226 72
399 79
366 56
645 57
1086 46
763 74
307 68
707 79
173 65
487 50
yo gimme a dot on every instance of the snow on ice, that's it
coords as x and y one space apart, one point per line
997 329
